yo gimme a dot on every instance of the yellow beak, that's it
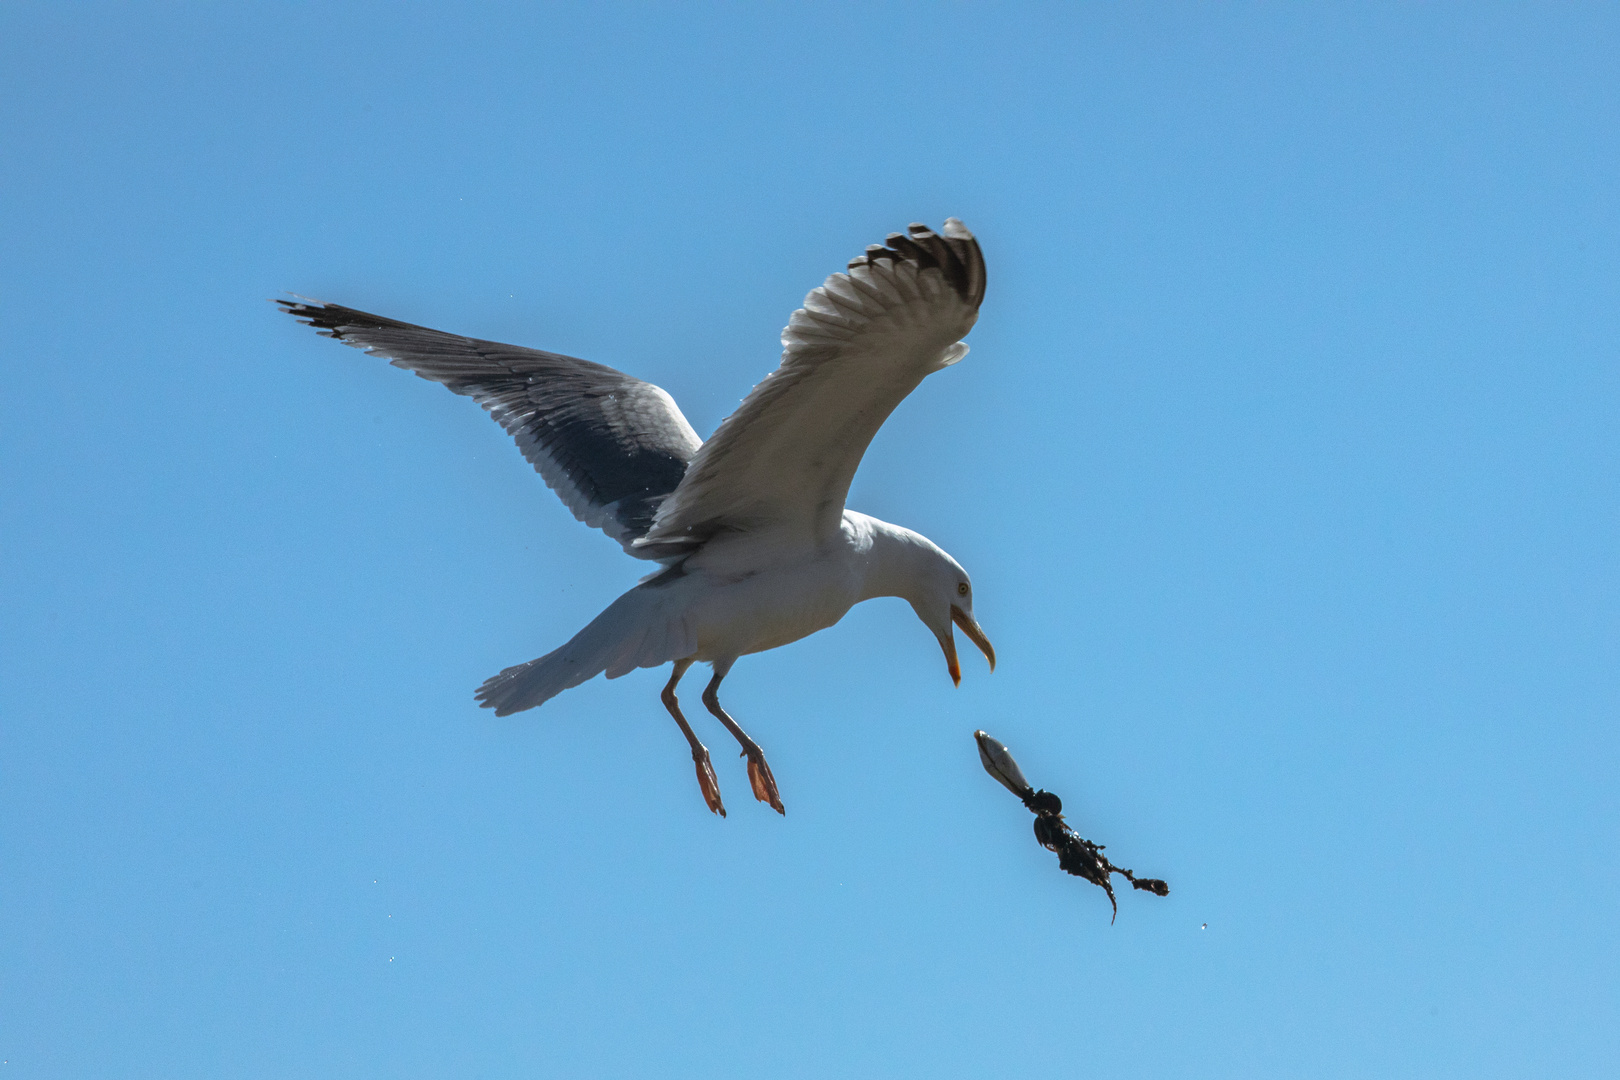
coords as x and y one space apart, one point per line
975 634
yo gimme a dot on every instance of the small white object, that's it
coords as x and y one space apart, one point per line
998 762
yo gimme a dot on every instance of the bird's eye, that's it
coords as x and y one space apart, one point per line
961 590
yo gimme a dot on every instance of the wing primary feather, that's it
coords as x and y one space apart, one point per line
913 251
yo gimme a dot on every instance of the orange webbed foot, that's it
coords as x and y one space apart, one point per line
764 784
708 782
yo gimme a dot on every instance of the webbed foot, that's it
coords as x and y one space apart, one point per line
707 780
764 784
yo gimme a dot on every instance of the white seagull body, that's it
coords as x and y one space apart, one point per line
757 547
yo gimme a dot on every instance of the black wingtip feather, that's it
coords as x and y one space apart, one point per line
956 256
914 252
333 319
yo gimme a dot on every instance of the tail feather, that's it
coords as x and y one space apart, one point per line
631 633
526 685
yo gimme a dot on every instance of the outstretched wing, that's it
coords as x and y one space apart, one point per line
860 344
611 446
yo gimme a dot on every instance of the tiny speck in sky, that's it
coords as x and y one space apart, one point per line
1204 927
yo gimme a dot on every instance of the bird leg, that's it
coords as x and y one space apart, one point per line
759 773
700 753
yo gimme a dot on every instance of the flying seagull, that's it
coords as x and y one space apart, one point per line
756 546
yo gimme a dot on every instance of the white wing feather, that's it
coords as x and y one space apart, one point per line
861 343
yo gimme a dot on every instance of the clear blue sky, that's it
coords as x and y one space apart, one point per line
1284 462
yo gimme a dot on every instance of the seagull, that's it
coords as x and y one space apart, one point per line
755 546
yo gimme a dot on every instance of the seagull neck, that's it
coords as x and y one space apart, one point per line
896 560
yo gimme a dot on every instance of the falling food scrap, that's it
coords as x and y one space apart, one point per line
1075 853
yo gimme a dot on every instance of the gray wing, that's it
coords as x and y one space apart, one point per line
863 341
611 446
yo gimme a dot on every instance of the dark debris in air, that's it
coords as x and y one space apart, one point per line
1075 853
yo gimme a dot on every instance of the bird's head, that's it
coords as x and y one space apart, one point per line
945 597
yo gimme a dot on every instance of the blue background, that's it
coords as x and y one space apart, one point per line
1284 462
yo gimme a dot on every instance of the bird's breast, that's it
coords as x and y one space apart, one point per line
769 609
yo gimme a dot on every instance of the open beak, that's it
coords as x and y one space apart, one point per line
976 635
